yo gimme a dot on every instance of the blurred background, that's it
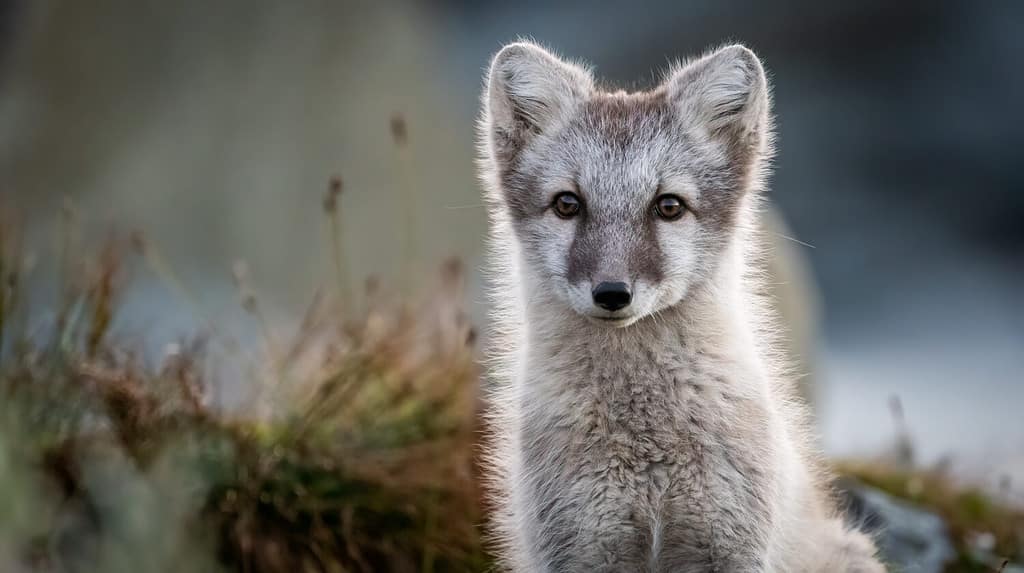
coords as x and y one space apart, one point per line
214 128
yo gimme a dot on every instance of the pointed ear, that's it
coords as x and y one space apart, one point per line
727 92
529 91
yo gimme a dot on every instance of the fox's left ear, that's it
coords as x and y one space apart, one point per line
727 92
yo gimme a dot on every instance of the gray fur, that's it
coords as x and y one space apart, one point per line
663 436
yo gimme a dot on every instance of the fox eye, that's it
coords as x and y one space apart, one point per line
566 205
669 207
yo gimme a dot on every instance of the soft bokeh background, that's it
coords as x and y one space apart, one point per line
213 127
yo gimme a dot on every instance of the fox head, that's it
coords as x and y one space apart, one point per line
621 203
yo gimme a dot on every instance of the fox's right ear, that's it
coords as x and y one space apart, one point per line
529 91
726 92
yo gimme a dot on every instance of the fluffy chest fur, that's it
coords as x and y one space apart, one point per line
657 445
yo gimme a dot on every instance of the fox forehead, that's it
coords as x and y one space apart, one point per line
617 150
621 121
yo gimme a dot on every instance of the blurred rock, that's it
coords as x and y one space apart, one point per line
911 539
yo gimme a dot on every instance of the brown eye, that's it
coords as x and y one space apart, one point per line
566 205
670 207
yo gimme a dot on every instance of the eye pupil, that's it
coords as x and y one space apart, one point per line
566 205
670 207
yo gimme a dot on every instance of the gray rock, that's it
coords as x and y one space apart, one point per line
911 539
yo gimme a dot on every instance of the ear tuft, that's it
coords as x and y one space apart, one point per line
529 90
726 90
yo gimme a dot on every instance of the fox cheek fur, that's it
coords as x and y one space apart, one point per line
673 442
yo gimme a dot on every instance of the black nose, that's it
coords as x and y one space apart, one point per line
611 295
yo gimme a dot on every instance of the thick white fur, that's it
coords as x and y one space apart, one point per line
671 441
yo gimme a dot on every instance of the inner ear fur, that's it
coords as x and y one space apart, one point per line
726 91
530 90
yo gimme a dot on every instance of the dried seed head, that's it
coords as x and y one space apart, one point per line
399 130
249 301
334 188
451 270
240 274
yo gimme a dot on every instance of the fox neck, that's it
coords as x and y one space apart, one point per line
712 320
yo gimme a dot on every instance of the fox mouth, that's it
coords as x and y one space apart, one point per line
612 320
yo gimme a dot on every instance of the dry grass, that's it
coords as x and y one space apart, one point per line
360 458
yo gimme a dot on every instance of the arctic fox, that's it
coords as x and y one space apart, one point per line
639 420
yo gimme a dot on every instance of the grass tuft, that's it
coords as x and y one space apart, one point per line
360 459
